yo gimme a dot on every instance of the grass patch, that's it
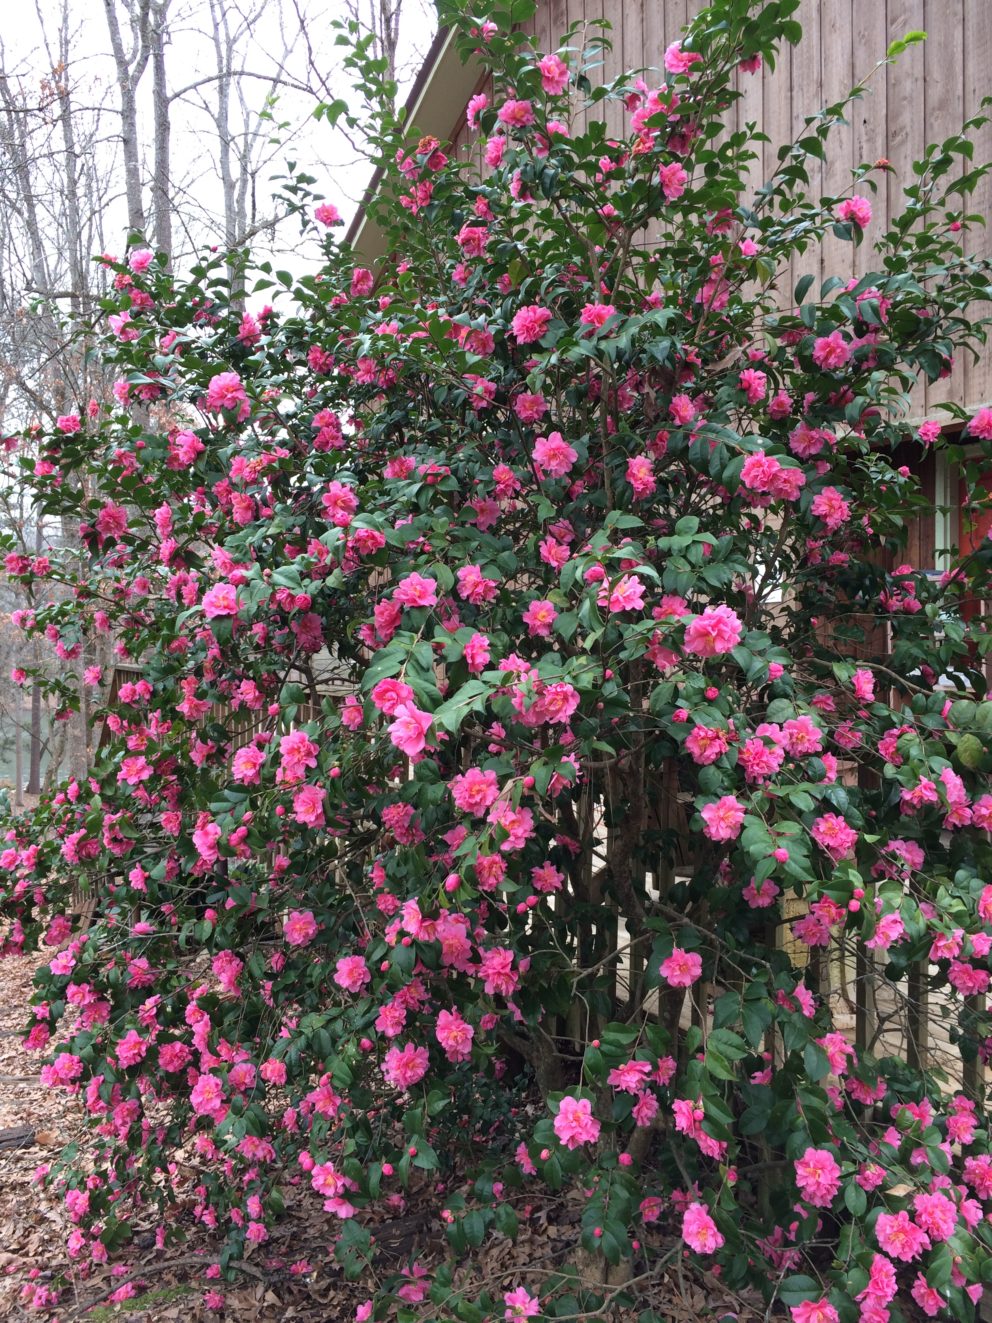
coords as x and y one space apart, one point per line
165 1295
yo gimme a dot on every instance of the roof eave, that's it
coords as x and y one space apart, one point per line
438 98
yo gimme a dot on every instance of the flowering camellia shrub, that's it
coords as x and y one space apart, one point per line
533 699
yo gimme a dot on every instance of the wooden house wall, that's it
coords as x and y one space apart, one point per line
925 96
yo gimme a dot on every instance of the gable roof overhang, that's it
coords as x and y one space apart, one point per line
435 106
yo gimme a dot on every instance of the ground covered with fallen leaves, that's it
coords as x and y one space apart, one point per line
292 1277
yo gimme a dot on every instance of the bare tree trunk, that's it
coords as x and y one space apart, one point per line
161 176
74 229
129 72
34 762
223 52
34 747
18 756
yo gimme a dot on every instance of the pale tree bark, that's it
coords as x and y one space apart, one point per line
130 66
162 168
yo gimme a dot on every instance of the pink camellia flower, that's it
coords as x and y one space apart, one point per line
722 820
833 835
681 969
716 631
416 590
673 179
135 770
830 506
327 214
476 105
340 504
553 455
981 425
297 753
409 731
474 587
927 1297
352 715
760 472
856 209
814 1311
225 391
455 1036
351 973
207 1097
640 475
299 928
246 763
627 594
831 352
882 1281
388 694
516 114
273 1071
362 282
308 806
120 324
529 408
111 520
818 1177
575 1124
596 315
405 1066
936 1215
497 972
554 74
539 618
474 791
682 410
495 148
131 1049
678 61
864 685
530 323
520 1304
760 895
699 1231
221 600
802 736
557 703
900 1237
205 838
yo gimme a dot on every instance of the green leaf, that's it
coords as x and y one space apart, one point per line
472 696
799 1288
816 1062
855 1199
902 44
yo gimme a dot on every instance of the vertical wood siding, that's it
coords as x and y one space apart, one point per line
924 97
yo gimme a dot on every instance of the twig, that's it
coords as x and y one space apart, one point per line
187 1261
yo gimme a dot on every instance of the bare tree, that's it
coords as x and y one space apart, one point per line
130 65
